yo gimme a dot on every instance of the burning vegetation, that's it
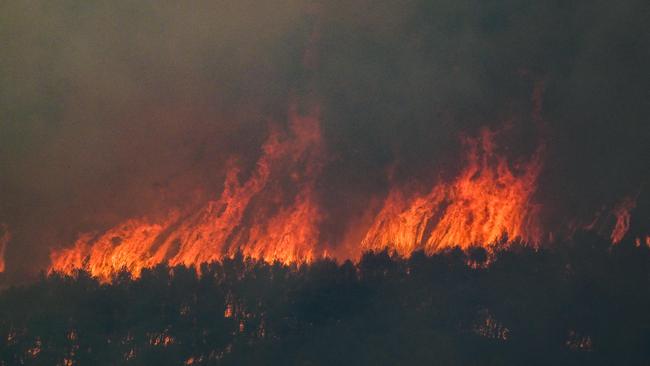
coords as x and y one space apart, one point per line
324 183
259 217
274 213
5 236
487 202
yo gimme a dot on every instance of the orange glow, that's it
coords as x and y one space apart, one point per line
623 216
257 217
487 202
5 236
129 245
275 215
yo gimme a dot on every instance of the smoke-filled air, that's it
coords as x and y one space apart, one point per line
148 133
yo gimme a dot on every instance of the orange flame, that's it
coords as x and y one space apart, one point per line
274 214
485 203
265 228
4 241
623 216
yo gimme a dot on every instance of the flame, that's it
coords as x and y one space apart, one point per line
485 203
623 216
252 217
5 236
275 215
129 245
611 221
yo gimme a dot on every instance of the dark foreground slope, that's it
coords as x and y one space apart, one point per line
581 303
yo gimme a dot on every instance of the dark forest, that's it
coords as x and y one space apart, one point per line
582 302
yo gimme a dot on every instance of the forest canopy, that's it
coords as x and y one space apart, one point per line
582 302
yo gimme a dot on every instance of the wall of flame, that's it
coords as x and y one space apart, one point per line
275 215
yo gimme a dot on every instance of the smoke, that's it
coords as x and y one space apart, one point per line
110 111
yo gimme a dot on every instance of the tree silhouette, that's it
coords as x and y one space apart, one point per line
581 302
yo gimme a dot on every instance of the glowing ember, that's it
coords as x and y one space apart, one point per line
487 202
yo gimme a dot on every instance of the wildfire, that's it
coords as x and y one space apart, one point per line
623 216
275 215
487 202
258 217
5 236
614 221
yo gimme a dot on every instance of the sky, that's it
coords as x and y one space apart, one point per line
115 110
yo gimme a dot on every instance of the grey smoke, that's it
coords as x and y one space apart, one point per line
111 110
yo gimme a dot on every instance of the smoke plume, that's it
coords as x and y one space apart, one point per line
113 111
